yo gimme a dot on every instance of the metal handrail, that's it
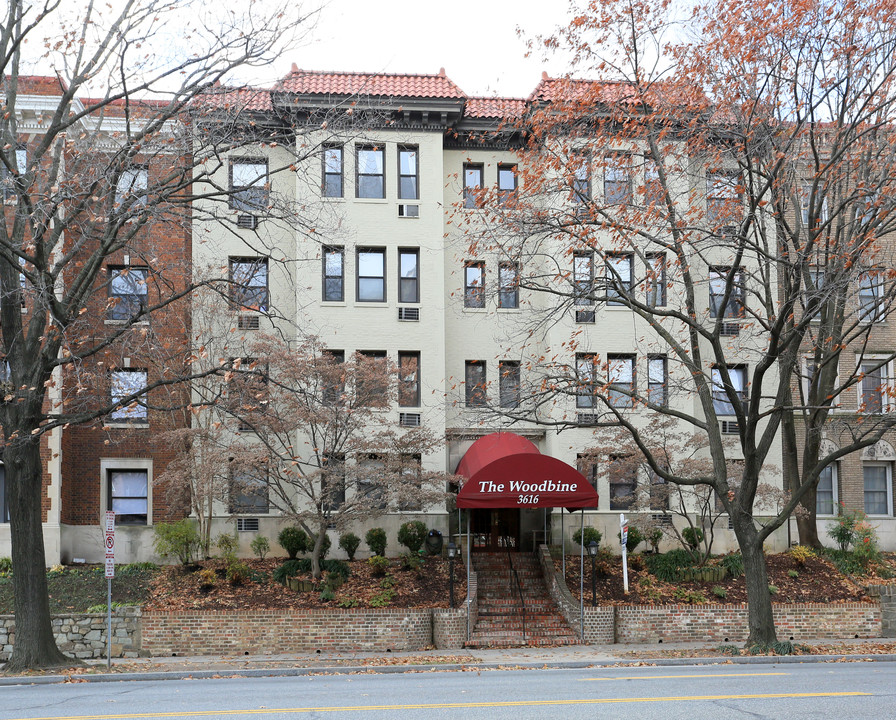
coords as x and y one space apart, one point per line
515 576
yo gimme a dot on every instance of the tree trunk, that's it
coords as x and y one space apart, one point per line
315 551
34 646
761 619
806 524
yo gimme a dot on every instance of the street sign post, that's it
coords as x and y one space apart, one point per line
623 535
109 547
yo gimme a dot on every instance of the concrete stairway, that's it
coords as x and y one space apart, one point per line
500 619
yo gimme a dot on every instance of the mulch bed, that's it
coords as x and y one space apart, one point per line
816 581
178 588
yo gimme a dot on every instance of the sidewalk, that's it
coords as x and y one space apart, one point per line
178 668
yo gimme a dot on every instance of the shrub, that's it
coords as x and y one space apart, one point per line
348 602
208 577
635 538
5 566
843 532
325 545
327 594
180 539
349 542
137 568
338 568
733 563
591 533
793 574
866 548
237 572
289 568
693 536
227 544
376 541
304 565
411 561
382 598
294 540
666 566
654 537
412 534
772 590
719 592
695 597
378 565
801 553
846 562
261 546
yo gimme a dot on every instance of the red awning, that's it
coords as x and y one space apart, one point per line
504 470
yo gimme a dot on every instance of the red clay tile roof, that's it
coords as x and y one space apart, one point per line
494 107
307 82
613 92
37 85
239 98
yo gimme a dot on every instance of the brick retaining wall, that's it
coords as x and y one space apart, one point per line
449 627
282 631
83 635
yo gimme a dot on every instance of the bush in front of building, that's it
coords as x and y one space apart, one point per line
349 542
412 535
261 546
294 540
376 541
591 533
180 539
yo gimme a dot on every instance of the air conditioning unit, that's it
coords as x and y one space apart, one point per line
409 419
730 427
730 329
247 322
584 316
409 211
247 524
661 520
586 419
250 222
409 314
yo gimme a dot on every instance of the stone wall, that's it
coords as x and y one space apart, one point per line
887 596
83 635
283 631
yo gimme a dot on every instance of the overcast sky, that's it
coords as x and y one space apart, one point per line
475 41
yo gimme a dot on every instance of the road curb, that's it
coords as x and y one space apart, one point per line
460 667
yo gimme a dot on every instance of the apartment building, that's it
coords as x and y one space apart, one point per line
377 213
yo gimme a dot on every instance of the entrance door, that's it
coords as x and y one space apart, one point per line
496 529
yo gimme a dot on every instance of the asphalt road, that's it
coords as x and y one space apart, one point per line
721 692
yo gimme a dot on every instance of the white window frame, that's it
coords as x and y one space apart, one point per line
620 268
871 287
805 377
889 481
107 464
127 415
886 384
835 493
720 396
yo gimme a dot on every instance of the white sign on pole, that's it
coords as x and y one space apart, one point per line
109 543
623 525
110 521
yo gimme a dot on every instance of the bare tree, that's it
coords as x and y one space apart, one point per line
734 192
104 167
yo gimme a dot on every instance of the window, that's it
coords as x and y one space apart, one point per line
127 292
653 188
4 499
723 197
506 183
622 476
332 482
249 493
719 279
656 279
371 172
334 274
509 383
128 496
874 386
372 385
333 171
371 275
808 204
659 492
409 275
332 376
474 381
474 285
619 277
123 384
586 380
621 376
7 178
587 465
410 482
248 185
132 183
247 390
657 380
408 173
508 285
472 185
826 491
871 291
720 400
878 482
581 178
371 469
583 278
618 180
409 379
249 283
